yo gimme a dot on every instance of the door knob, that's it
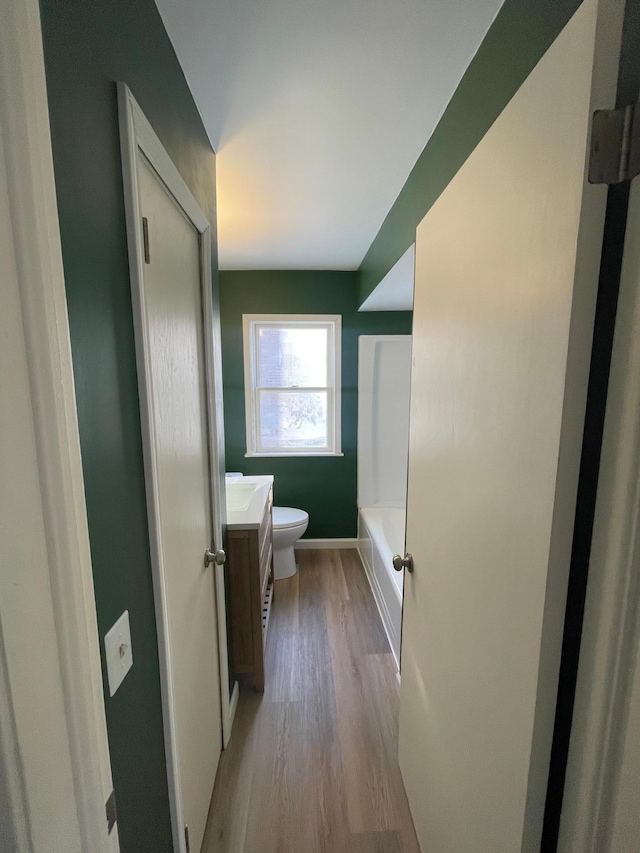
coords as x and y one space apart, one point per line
217 557
400 563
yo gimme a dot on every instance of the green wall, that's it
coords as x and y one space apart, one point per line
517 39
88 46
324 486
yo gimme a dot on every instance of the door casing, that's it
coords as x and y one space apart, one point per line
55 772
598 810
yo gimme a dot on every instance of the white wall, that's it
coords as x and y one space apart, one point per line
384 387
395 291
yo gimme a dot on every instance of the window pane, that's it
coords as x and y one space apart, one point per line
290 358
293 419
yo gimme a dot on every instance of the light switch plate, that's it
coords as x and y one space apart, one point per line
118 652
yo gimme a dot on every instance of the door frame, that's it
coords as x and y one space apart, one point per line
137 134
610 639
72 637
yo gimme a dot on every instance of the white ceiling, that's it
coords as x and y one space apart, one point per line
318 110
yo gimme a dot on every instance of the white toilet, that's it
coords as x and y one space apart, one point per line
288 526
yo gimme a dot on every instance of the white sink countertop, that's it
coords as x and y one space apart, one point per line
245 507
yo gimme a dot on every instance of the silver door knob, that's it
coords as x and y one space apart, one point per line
400 563
217 557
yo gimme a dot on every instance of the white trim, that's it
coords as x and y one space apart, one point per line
289 455
332 544
279 319
233 703
366 537
36 239
136 134
610 639
213 360
333 323
383 610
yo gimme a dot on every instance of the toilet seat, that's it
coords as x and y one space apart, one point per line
285 517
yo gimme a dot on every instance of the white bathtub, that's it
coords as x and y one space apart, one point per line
381 532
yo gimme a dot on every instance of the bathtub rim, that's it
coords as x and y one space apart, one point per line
385 552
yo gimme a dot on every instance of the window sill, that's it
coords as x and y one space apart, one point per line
303 455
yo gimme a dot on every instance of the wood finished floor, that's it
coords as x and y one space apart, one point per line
312 766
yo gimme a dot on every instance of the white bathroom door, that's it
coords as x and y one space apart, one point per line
506 279
176 374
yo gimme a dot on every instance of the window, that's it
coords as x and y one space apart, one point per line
292 384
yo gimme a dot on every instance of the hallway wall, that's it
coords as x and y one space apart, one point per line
89 46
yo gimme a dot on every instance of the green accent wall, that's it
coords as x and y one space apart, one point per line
88 46
520 35
325 487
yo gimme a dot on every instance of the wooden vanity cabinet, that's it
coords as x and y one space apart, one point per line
250 561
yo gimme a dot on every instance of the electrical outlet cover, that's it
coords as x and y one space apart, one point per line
118 652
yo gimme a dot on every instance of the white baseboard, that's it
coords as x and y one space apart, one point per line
315 544
233 705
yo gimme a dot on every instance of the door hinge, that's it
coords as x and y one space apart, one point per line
615 145
145 240
111 811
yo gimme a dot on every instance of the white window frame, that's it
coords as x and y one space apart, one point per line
250 325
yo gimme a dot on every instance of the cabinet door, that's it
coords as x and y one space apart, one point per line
240 587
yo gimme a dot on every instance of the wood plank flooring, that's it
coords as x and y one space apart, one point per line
312 767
